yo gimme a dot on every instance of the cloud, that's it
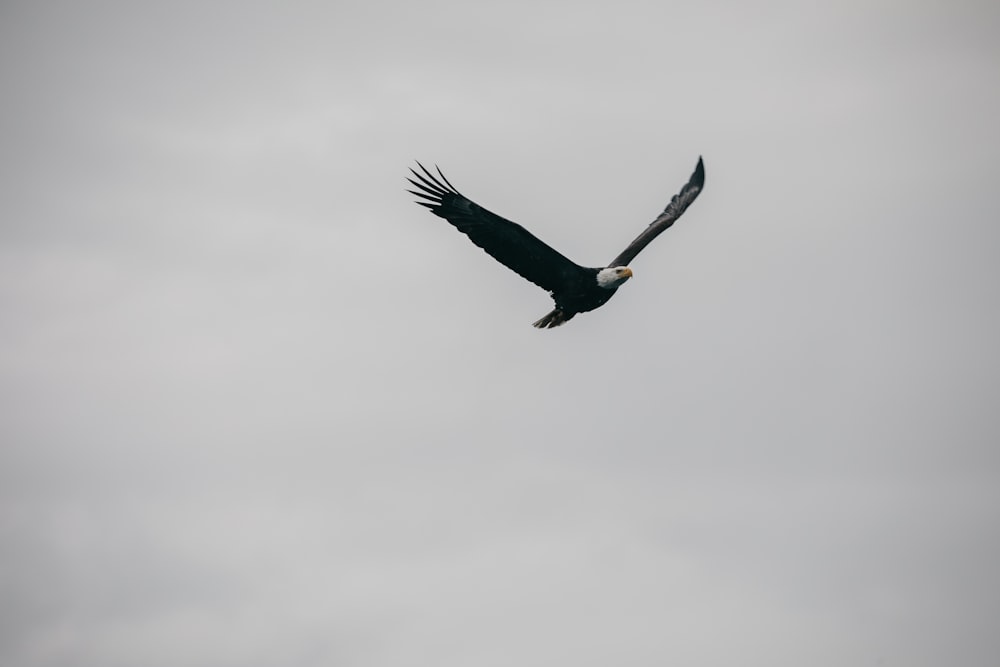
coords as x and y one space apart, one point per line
258 407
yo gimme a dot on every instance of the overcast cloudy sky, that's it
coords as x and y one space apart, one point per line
260 409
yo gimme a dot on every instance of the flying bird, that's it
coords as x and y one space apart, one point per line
574 288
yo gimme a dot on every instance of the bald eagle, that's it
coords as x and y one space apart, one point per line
574 288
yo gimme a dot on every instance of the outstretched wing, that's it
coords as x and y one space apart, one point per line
508 242
674 209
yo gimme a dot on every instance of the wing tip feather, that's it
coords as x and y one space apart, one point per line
698 177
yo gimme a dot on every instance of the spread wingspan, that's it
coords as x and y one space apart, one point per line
508 242
674 209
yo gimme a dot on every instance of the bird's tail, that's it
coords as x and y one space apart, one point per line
553 319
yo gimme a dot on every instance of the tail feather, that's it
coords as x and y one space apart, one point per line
553 319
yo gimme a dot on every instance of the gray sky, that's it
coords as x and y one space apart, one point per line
260 409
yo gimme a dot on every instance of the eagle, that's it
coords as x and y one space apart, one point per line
574 288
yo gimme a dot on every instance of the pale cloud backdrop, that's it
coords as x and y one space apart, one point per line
260 409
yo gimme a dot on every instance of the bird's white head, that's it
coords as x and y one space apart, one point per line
613 276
